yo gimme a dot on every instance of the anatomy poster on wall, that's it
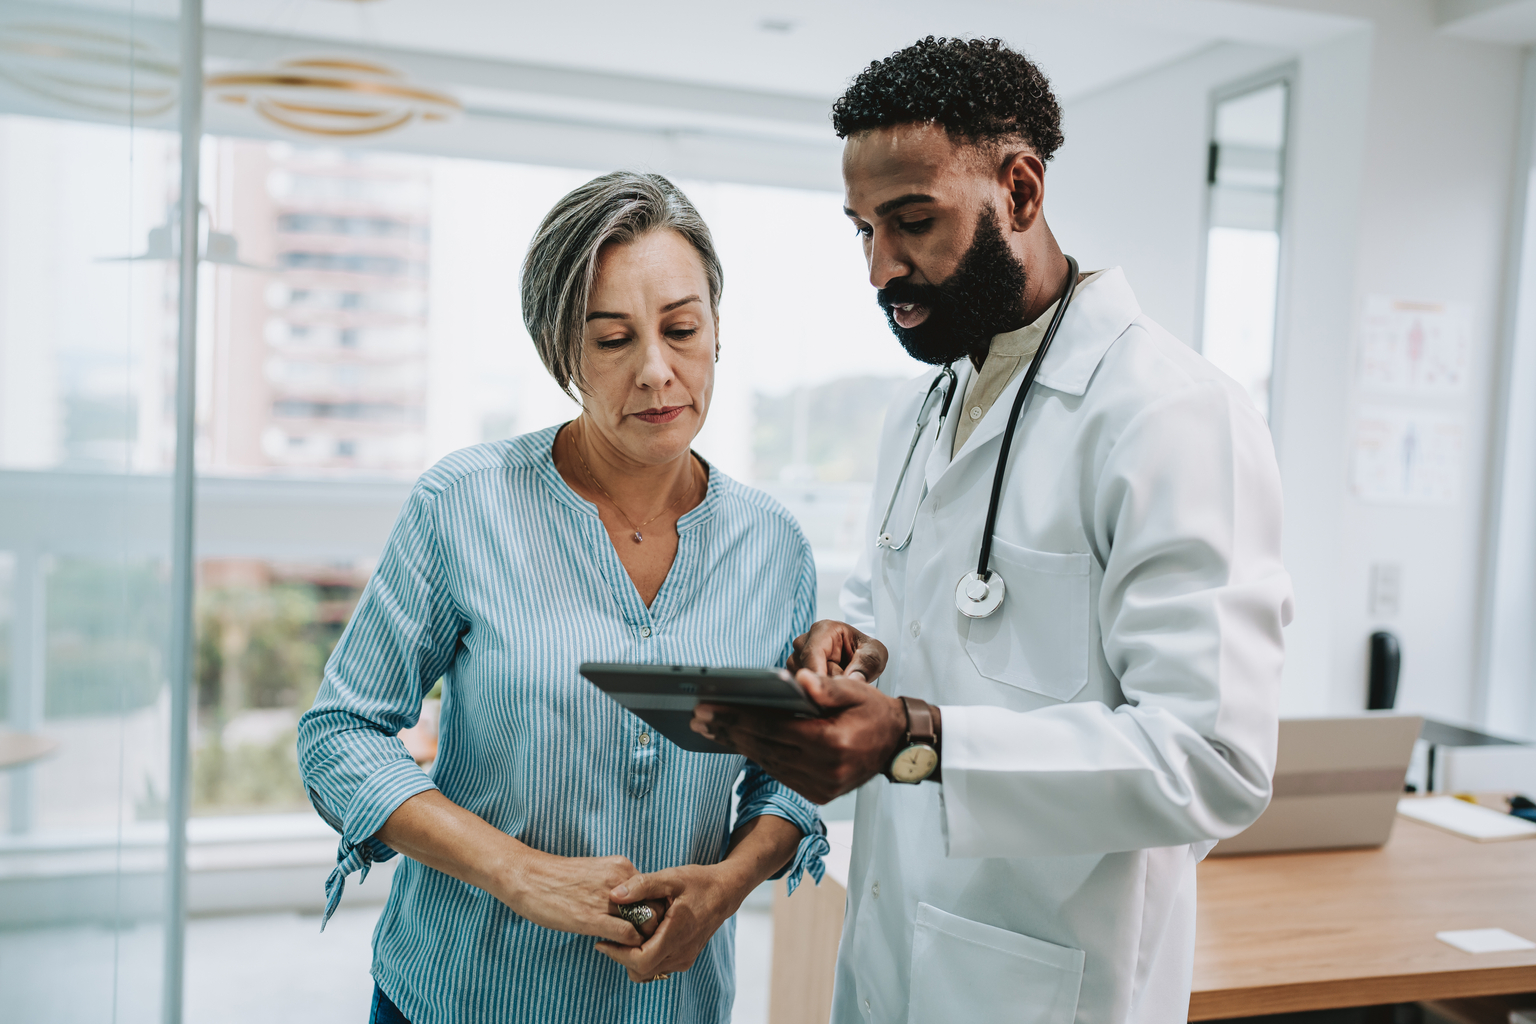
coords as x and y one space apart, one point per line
1404 457
1418 348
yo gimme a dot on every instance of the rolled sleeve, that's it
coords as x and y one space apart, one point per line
401 639
760 795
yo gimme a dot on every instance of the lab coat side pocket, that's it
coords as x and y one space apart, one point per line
1038 639
964 970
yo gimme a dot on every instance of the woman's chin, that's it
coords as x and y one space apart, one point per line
658 443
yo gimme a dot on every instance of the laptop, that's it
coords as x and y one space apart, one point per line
1337 783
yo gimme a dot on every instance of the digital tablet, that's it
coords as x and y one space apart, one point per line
665 695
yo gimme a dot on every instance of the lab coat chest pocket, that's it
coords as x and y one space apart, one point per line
1038 639
964 970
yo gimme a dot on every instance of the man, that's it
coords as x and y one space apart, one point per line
1115 713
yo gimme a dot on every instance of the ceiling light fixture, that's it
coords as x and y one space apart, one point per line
335 97
93 69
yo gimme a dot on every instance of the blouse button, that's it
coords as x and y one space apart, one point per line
645 631
645 739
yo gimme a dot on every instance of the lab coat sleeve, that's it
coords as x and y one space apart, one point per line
857 597
1186 514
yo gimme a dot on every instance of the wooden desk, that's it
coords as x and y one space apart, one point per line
1312 931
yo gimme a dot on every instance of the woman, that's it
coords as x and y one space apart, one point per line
605 539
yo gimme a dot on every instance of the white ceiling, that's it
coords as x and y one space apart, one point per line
800 47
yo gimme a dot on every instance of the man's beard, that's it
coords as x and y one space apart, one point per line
982 298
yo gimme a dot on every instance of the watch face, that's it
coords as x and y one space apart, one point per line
915 763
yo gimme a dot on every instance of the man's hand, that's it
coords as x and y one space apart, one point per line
819 758
833 648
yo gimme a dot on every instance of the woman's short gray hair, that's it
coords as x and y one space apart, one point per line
562 258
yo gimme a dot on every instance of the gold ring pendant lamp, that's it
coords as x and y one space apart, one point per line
335 97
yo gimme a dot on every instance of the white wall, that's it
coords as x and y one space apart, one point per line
1398 184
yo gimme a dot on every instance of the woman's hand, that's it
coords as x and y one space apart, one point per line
571 894
833 648
698 901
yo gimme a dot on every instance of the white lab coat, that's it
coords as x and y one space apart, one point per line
1110 721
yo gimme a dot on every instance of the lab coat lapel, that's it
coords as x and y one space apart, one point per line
1097 315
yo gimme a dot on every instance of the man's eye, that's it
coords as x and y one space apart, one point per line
916 227
862 231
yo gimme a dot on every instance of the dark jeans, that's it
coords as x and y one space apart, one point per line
384 1011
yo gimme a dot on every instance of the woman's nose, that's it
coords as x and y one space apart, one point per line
656 371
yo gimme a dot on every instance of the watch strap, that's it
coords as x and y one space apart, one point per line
921 727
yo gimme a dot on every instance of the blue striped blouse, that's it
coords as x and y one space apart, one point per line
501 580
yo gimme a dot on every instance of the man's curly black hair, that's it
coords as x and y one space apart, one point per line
977 90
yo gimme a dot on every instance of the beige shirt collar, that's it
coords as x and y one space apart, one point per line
1006 356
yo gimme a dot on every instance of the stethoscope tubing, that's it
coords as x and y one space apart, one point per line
1019 399
947 378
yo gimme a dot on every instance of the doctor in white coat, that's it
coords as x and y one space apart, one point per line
1036 784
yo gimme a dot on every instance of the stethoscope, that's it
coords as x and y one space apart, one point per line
979 593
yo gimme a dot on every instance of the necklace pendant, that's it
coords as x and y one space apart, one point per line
638 538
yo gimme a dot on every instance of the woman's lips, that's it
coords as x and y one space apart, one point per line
665 414
909 314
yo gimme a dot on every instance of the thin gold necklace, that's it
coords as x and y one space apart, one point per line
604 491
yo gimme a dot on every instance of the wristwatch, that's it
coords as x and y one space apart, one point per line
918 757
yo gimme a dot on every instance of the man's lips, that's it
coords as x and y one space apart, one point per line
909 314
664 414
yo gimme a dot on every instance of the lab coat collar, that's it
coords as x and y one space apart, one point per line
1097 315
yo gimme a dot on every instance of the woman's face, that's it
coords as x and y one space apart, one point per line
649 352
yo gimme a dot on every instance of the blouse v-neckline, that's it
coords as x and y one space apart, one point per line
602 548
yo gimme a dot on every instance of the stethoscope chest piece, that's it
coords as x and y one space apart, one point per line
977 597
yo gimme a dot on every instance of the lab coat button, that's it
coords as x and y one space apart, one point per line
874 890
645 631
866 1006
975 412
916 629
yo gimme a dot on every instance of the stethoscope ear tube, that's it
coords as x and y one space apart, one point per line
982 571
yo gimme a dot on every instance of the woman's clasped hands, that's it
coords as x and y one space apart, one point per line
697 901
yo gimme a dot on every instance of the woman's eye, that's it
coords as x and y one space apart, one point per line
682 333
612 343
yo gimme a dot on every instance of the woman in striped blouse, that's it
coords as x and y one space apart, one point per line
549 806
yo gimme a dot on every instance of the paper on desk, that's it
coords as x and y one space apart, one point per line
1480 823
1485 940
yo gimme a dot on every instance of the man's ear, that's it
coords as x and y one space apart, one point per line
1023 175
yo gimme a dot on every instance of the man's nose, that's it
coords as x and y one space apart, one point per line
887 261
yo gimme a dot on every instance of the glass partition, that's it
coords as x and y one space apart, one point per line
89 182
1245 178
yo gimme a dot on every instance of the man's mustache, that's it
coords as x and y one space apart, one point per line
899 293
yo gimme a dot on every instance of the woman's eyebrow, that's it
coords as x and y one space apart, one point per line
600 315
669 307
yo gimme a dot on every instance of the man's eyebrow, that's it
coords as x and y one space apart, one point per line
890 206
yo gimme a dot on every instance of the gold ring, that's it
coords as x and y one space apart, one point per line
661 977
